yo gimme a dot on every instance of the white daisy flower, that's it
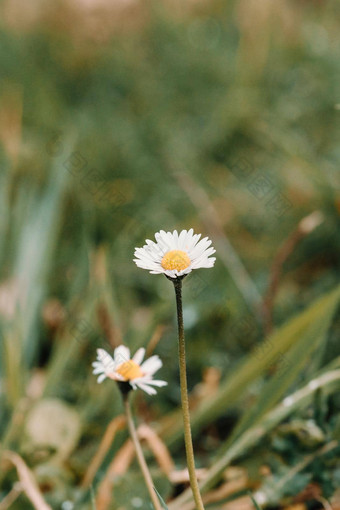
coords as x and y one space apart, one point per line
175 254
123 368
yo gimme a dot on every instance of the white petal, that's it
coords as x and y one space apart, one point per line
192 242
153 250
121 354
187 270
199 249
106 360
165 241
175 236
173 273
201 260
98 370
157 271
147 264
139 356
155 382
147 389
149 253
151 365
206 253
117 377
182 240
206 263
101 378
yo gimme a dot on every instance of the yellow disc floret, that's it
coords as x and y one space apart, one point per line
175 259
129 370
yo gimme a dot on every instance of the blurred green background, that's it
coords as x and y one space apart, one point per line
121 118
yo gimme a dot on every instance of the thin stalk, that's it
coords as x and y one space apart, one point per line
140 455
184 397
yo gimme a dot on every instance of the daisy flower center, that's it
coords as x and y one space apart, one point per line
175 259
130 370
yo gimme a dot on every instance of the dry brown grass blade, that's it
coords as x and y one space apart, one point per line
11 497
114 426
11 122
157 335
123 459
236 482
118 466
305 227
28 483
242 503
158 448
182 476
325 503
335 501
207 388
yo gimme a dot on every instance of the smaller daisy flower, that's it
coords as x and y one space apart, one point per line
132 371
175 254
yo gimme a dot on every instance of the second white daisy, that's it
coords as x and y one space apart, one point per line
175 254
123 368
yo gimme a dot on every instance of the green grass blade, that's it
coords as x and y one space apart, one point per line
295 360
161 500
256 505
254 365
329 381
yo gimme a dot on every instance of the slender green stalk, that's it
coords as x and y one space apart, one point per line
140 456
184 397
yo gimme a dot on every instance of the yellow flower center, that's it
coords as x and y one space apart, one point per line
129 370
175 259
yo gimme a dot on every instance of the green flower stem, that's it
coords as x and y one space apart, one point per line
184 397
140 456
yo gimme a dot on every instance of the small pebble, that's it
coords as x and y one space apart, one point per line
67 505
137 502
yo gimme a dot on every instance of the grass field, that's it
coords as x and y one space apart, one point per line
120 119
